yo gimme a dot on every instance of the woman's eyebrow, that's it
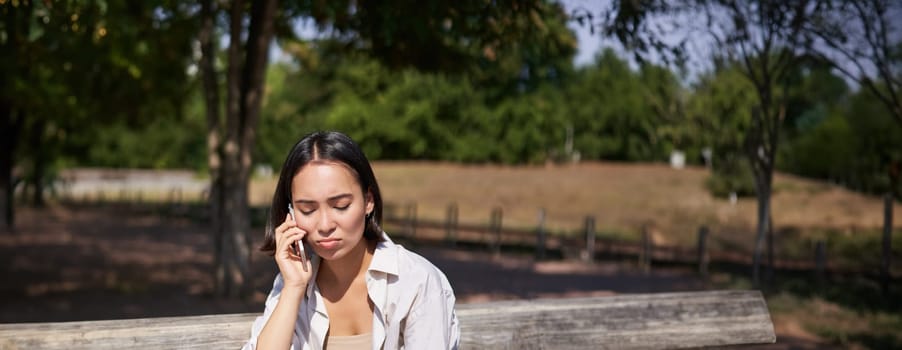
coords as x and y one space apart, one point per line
340 196
330 199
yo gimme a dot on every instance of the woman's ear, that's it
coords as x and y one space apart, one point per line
370 203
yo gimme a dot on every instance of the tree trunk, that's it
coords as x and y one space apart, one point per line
39 162
10 125
244 89
887 256
761 145
763 219
17 27
769 276
214 156
259 37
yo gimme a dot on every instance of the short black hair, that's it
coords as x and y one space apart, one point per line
329 146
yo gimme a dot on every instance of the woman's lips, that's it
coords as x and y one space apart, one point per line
331 243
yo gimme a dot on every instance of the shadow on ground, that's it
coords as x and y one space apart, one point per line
67 264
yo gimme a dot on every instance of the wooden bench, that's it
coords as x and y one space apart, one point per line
632 321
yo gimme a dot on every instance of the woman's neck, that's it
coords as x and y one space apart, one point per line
346 269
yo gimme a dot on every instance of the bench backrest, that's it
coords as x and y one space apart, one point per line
633 321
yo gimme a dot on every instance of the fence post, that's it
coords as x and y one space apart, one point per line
820 261
589 253
411 220
175 200
540 236
495 230
887 242
451 225
703 257
645 253
171 198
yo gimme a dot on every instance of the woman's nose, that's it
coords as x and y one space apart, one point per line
325 223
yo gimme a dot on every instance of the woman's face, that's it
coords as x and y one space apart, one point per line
330 206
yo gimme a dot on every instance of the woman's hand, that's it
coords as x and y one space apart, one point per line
294 273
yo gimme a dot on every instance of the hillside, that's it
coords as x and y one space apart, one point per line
622 197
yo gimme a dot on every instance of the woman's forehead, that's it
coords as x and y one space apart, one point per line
324 179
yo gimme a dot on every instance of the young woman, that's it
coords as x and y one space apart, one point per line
358 290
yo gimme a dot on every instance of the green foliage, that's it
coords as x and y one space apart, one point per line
285 114
112 88
851 141
164 143
84 70
719 114
731 175
412 114
608 107
499 44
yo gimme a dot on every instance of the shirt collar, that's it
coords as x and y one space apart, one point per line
385 258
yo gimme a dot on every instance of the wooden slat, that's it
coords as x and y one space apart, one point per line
193 332
645 321
636 321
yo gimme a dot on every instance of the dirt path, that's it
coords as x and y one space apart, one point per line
66 264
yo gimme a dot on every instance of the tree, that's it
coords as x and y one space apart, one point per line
718 114
445 36
763 37
230 145
861 41
74 65
618 109
503 46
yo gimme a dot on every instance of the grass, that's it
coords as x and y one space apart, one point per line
622 197
837 324
848 312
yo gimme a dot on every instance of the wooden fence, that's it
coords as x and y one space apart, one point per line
586 245
638 321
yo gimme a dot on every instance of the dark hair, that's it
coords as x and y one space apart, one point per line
329 146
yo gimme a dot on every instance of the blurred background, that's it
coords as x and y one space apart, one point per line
529 148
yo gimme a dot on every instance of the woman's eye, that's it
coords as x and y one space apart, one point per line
306 212
343 208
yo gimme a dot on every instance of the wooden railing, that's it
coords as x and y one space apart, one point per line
637 321
585 244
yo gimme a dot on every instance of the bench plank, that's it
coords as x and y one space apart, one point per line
638 321
634 321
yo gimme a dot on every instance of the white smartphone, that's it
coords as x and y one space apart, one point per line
299 245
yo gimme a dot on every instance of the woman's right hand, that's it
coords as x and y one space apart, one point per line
294 274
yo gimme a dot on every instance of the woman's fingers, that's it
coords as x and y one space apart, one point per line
289 237
293 238
296 271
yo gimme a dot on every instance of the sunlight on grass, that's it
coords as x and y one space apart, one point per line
622 197
838 324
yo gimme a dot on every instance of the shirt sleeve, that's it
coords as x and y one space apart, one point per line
271 301
432 322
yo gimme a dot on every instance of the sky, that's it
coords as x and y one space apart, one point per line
589 44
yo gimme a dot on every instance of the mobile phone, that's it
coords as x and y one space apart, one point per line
299 245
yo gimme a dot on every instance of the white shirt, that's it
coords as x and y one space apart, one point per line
413 305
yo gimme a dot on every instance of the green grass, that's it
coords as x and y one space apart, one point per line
850 313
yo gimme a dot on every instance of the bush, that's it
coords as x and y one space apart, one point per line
733 175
